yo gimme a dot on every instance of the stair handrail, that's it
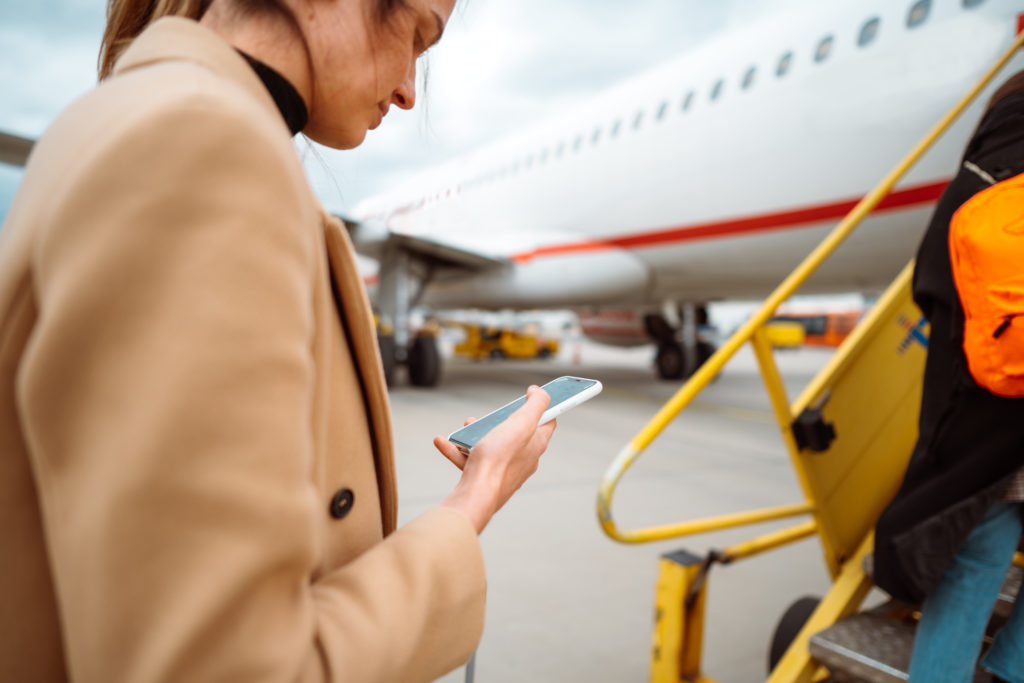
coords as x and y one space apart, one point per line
711 367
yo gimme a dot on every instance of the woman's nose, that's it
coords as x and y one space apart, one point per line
404 95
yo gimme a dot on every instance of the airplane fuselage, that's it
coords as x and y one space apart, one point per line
714 175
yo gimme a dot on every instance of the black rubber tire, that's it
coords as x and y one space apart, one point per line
545 352
670 361
793 619
496 354
658 329
424 362
704 351
386 343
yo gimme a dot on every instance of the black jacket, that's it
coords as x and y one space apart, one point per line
970 441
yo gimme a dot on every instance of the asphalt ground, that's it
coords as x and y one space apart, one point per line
565 602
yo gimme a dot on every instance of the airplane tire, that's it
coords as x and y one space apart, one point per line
670 361
793 619
704 351
424 362
386 343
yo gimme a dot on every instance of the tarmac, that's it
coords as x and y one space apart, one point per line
565 602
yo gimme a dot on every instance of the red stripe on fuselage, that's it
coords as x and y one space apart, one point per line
913 196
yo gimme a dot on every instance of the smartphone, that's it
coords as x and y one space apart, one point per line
565 393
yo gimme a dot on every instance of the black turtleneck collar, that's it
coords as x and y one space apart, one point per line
286 97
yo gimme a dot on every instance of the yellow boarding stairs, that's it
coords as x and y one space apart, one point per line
869 395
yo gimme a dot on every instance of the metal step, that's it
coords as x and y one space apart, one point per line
874 646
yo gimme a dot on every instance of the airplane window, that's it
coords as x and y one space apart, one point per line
918 13
824 49
785 62
596 136
559 149
716 89
529 161
748 77
662 108
868 32
578 143
972 3
688 100
615 128
544 155
638 119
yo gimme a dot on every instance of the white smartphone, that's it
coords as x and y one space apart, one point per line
566 392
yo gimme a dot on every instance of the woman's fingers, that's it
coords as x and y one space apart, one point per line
537 401
449 451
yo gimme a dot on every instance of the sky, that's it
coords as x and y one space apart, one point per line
502 64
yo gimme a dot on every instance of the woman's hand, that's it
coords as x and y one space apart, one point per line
501 462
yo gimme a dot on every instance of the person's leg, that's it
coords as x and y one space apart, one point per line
1005 658
954 616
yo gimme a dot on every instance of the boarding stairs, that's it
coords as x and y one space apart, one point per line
849 435
874 646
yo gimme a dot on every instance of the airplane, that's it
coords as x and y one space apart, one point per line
706 178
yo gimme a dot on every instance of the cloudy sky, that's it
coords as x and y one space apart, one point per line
501 65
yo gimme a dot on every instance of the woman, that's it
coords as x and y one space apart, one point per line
196 466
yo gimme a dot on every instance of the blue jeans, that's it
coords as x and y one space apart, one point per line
954 616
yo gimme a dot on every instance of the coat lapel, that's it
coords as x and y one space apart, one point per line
356 316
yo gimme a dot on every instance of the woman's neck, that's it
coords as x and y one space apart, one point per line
265 37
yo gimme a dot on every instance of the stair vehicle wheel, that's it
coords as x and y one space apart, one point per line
496 354
424 362
793 619
670 361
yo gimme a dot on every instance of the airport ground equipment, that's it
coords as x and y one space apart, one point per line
483 342
849 435
785 334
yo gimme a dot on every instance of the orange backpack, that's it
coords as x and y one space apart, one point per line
986 247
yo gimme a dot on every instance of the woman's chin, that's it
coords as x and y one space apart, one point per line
347 138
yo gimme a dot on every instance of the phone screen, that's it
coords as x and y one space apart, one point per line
560 390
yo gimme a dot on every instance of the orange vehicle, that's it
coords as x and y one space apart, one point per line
824 328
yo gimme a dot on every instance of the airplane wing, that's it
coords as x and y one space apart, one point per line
372 240
14 149
447 255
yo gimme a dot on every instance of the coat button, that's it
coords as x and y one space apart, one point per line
341 503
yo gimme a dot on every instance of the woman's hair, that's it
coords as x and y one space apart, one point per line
1013 85
126 19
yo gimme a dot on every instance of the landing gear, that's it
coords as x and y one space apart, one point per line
424 361
401 287
682 345
670 360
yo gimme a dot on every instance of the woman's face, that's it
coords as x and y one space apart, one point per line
362 64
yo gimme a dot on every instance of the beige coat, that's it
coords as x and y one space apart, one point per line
196 474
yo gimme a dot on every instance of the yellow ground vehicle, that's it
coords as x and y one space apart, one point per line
785 334
848 435
501 342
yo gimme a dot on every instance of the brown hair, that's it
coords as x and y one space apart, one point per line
1013 85
126 19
